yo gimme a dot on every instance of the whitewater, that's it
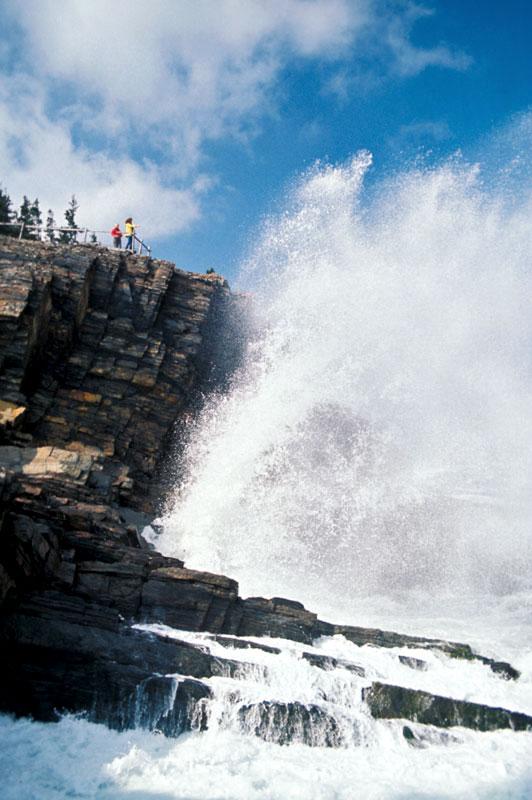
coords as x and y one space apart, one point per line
372 459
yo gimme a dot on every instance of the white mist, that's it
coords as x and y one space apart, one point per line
379 440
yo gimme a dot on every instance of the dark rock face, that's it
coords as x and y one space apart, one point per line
425 736
244 644
104 351
101 355
380 638
63 653
396 702
414 663
328 663
287 723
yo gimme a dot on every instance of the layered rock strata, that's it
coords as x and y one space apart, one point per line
101 355
104 351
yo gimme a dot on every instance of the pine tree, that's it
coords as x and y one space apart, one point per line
36 218
30 215
67 237
24 218
6 215
70 213
50 225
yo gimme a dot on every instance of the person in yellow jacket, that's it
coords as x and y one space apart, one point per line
130 232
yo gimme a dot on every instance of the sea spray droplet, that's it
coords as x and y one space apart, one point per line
379 439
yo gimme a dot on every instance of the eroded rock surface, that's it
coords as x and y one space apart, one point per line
105 351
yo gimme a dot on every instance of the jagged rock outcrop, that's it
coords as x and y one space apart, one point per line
105 351
101 354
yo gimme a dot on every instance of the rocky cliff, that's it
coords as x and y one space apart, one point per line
101 355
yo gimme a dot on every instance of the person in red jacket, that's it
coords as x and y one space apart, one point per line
116 233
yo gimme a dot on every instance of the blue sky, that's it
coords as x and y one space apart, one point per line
194 116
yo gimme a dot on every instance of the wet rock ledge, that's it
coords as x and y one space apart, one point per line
101 355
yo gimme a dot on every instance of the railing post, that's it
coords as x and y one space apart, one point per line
21 230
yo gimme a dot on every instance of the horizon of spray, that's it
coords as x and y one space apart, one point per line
378 440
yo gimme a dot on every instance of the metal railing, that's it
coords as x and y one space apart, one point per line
44 231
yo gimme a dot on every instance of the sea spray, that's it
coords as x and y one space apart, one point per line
379 439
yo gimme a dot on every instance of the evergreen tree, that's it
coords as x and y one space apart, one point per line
30 214
70 213
67 237
36 218
50 225
6 215
24 218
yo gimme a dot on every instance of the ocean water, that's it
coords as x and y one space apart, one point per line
75 758
372 459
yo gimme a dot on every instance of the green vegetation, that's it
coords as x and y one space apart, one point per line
66 237
29 215
6 214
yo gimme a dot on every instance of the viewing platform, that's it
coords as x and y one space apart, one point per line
63 235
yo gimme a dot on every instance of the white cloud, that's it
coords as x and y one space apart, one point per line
409 60
116 100
181 72
39 157
104 82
